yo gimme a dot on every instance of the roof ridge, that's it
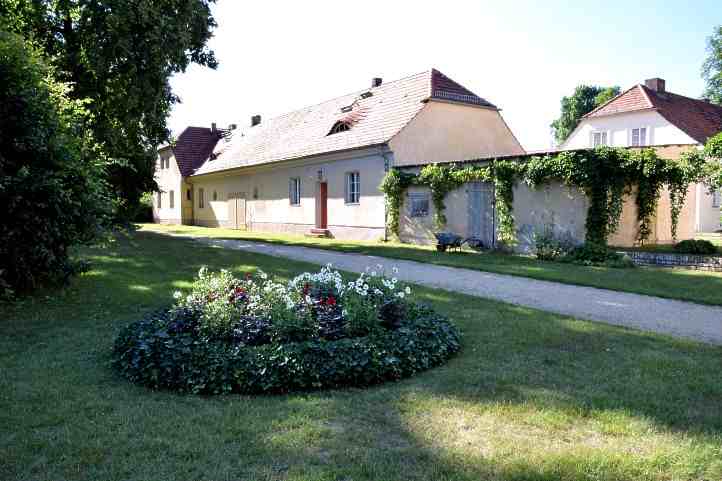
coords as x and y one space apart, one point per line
356 92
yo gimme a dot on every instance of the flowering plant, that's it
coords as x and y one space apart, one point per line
311 305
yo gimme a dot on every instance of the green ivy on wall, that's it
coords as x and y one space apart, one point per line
605 175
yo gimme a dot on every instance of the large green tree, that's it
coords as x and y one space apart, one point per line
712 67
584 99
120 54
53 192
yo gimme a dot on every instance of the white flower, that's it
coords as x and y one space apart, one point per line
202 271
395 270
400 294
373 273
394 280
379 267
177 295
377 292
407 290
344 313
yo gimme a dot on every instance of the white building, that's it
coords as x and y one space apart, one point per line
649 115
317 170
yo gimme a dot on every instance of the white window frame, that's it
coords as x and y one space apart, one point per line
641 141
605 138
171 200
294 191
353 188
416 197
201 200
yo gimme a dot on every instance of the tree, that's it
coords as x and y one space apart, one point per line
52 187
120 54
585 99
712 67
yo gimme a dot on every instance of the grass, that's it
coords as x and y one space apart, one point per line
532 396
689 285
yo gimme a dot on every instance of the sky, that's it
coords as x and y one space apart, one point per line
523 56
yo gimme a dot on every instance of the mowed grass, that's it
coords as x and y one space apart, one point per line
531 396
688 285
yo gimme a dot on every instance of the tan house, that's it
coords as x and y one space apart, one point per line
317 170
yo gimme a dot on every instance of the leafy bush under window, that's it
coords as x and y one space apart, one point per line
255 335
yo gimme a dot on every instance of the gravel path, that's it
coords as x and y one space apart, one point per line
676 318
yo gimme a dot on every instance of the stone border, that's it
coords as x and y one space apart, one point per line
682 261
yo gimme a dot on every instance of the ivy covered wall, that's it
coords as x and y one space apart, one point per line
605 176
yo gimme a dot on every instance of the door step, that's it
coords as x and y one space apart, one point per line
319 233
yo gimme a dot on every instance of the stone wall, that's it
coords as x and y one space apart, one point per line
686 261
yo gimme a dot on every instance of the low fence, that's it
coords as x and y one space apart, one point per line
683 261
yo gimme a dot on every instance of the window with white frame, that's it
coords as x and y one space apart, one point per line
716 198
639 137
171 200
353 187
599 138
201 201
418 204
294 191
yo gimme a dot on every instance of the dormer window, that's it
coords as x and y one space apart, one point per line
639 137
339 126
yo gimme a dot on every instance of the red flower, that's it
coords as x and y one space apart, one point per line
331 301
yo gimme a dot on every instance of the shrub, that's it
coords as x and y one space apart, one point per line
52 195
597 255
315 332
550 246
697 247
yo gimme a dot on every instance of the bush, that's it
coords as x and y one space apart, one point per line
52 195
597 255
315 332
143 212
550 246
697 247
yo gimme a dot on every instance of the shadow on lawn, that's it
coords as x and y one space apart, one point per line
515 357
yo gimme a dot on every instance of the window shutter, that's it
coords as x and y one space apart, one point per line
346 188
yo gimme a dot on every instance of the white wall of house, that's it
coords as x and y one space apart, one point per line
619 130
268 207
708 210
445 131
170 183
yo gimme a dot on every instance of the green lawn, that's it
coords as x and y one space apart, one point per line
532 396
696 286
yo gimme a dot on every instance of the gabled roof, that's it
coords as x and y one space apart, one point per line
193 147
373 120
697 118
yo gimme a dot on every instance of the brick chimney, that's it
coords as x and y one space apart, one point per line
376 82
656 84
255 120
214 128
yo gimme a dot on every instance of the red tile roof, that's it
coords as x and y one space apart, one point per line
193 147
375 119
697 118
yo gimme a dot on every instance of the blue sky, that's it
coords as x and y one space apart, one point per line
523 56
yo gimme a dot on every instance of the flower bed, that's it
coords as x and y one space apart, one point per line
254 335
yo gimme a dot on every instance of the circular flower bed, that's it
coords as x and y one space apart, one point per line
254 335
